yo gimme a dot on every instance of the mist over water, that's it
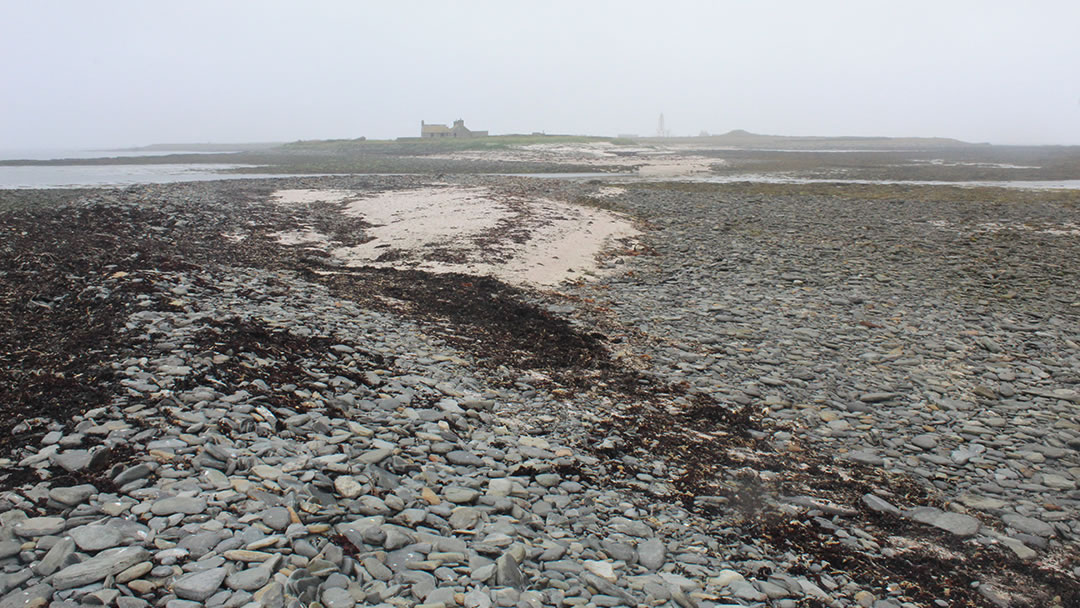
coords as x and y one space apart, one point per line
69 176
1001 72
61 153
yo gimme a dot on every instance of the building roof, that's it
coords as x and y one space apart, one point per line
435 129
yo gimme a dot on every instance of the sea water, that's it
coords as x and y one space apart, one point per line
96 176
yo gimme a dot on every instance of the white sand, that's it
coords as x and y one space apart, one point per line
677 166
300 237
300 196
566 249
423 217
647 161
471 231
1062 229
610 191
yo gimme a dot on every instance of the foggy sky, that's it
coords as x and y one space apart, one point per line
110 73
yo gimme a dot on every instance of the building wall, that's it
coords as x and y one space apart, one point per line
433 130
458 130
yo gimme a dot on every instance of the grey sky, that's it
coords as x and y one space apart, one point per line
128 73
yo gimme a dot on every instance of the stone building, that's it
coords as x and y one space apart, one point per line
458 130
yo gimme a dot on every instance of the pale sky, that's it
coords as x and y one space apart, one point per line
122 73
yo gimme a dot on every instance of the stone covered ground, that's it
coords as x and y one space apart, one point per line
776 396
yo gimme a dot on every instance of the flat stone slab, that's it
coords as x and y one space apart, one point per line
187 505
9 548
1058 393
981 502
870 457
38 595
956 523
73 495
877 397
110 561
1028 525
96 537
375 456
876 503
198 586
40 526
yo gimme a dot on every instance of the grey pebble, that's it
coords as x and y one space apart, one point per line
198 586
956 523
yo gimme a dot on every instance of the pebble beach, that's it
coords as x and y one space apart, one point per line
745 395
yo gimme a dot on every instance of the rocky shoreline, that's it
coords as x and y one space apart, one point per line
792 399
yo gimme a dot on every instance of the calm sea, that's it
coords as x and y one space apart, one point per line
81 176
59 153
75 176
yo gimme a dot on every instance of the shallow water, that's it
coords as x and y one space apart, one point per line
1067 184
57 154
95 176
595 175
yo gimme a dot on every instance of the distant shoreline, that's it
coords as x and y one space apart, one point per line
201 147
719 158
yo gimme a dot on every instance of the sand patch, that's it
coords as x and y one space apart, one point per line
677 166
610 192
407 219
941 162
471 230
646 161
1062 229
306 236
305 196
